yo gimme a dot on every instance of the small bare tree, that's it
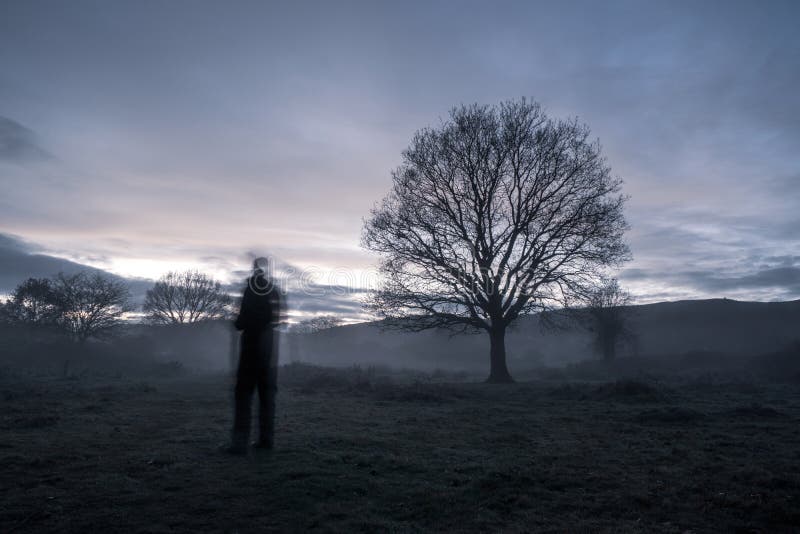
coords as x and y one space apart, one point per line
186 297
315 324
498 212
607 315
33 302
90 304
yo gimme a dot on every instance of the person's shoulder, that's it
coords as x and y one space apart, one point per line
248 285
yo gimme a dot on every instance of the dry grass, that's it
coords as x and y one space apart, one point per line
357 452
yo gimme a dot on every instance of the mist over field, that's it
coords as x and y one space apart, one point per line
718 335
444 266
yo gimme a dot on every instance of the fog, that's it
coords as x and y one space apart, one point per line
714 335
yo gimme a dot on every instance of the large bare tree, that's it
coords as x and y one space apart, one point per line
90 304
186 297
498 212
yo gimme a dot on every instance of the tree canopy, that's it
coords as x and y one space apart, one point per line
497 212
186 297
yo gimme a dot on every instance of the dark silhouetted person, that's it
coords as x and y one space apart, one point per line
258 316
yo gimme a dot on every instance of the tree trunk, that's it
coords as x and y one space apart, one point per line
498 373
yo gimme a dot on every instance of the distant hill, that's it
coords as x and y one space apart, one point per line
662 329
716 325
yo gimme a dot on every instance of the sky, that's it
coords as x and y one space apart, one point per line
143 137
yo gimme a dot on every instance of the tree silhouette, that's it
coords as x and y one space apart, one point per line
315 324
186 297
90 304
33 302
607 317
498 212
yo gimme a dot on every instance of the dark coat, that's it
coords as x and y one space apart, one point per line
261 306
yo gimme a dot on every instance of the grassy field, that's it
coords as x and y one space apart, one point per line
358 452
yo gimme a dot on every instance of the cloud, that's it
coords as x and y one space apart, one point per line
305 297
191 150
19 260
346 305
771 282
19 144
785 279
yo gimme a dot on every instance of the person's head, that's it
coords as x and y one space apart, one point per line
261 266
261 280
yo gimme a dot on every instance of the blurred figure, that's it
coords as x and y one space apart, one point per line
258 358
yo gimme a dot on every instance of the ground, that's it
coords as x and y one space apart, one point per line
362 453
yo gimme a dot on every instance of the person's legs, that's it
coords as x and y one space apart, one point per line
243 399
266 412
